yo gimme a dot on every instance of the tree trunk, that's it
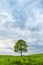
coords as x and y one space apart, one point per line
21 50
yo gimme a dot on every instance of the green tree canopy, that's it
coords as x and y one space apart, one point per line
20 46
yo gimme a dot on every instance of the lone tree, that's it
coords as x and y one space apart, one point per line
20 46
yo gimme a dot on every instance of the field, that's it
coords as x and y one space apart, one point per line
36 59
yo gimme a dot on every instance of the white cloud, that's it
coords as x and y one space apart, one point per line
6 43
21 3
31 22
32 33
5 17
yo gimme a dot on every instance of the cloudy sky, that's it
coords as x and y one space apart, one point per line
21 19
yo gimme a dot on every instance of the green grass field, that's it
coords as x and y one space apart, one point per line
36 59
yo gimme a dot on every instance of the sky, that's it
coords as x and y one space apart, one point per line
21 19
